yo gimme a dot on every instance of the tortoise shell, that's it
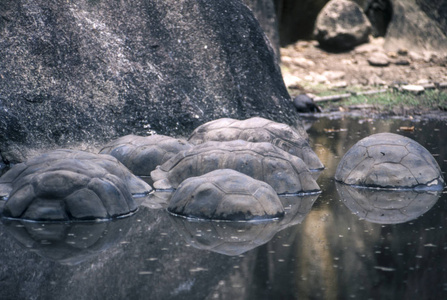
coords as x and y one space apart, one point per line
286 173
141 154
225 195
258 129
66 185
388 160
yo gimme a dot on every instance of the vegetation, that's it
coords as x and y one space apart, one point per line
429 100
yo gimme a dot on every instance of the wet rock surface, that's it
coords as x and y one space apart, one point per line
68 185
141 154
262 161
258 130
387 160
225 195
75 75
341 25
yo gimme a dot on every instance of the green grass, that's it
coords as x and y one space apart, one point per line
430 99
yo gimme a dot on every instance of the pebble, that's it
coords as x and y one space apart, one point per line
402 62
412 88
378 59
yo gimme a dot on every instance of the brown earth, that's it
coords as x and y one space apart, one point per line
307 68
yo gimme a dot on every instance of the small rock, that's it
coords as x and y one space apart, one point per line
442 85
402 62
303 62
412 88
367 48
429 86
378 59
392 54
402 51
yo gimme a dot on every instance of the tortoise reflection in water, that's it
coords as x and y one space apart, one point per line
229 238
141 154
69 185
68 243
387 160
258 129
387 206
286 173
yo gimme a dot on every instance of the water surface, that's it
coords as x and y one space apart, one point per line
328 248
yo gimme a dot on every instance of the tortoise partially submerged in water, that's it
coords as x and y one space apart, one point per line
286 173
226 195
69 185
141 154
388 160
258 129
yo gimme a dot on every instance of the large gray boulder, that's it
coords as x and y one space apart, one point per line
77 74
265 13
341 25
418 25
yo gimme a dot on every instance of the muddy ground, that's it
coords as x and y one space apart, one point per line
307 68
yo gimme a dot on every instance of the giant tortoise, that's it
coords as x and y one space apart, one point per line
225 195
286 173
258 129
388 160
141 154
69 185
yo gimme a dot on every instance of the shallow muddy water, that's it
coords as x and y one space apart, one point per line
334 245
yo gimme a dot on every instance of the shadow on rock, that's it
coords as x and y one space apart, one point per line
68 243
387 206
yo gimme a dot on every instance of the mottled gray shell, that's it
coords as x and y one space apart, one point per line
141 154
387 160
226 195
66 185
387 206
286 173
258 129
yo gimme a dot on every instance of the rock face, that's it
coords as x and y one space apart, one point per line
387 160
82 73
142 154
265 13
286 173
418 25
226 195
341 25
67 185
